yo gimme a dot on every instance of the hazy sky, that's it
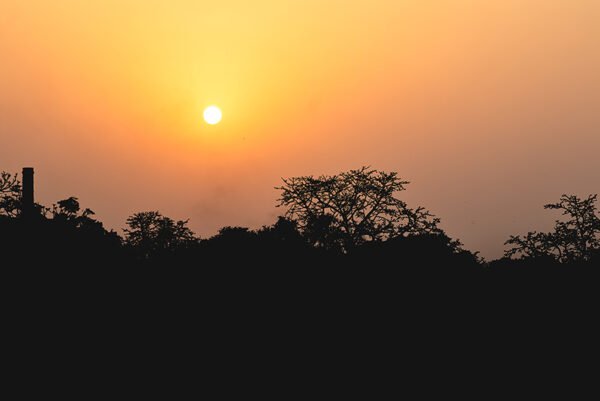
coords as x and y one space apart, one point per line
491 108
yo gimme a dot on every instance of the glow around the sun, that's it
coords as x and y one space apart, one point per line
212 115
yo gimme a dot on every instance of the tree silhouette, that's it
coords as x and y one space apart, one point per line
68 213
10 195
284 230
351 208
574 240
151 234
353 219
68 210
282 237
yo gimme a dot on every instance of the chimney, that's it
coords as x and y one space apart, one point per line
27 199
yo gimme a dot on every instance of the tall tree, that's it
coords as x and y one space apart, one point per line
351 208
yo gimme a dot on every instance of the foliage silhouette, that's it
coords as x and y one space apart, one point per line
283 230
10 195
351 221
151 234
576 239
68 210
349 209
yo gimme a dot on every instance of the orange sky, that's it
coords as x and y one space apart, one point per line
491 108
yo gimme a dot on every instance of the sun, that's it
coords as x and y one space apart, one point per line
212 115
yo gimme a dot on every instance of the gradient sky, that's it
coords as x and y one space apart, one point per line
491 108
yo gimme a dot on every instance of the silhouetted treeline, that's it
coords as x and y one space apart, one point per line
348 221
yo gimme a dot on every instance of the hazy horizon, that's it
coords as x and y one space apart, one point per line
490 108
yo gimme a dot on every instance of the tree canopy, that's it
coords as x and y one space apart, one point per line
10 195
351 208
574 239
355 218
150 233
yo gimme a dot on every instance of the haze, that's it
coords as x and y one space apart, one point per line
489 107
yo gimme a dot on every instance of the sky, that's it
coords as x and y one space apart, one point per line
490 108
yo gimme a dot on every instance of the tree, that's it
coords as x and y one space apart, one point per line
151 233
10 195
575 239
284 230
68 213
346 210
68 210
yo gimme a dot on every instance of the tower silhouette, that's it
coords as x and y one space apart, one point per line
27 195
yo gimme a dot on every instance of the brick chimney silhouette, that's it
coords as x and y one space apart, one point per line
27 196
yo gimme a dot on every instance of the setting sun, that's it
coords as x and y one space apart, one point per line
198 108
212 115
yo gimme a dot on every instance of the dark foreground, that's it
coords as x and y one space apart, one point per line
276 317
